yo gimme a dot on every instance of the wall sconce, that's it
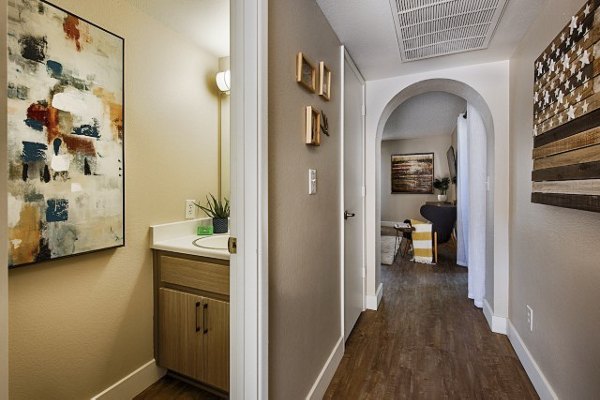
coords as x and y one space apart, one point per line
224 81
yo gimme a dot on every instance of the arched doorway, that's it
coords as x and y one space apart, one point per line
474 98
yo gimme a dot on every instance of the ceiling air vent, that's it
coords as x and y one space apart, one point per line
432 28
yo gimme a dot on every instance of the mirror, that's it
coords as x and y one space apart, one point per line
224 142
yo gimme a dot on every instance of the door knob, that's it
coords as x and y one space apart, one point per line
349 215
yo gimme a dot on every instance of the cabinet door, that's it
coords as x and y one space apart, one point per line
217 344
181 342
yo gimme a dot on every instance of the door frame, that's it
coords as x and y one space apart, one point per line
249 198
345 57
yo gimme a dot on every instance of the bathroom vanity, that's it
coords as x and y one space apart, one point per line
191 305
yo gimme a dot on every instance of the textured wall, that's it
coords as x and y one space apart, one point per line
398 207
79 325
3 219
554 251
304 234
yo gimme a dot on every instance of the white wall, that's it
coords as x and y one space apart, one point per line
491 82
400 206
554 252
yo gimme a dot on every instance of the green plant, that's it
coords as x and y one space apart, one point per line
442 184
215 208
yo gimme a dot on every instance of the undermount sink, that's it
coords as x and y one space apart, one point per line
218 242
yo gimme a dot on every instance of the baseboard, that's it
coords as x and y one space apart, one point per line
497 324
324 379
134 383
373 301
541 384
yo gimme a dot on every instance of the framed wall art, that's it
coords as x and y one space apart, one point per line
306 74
324 81
412 173
65 134
566 144
312 126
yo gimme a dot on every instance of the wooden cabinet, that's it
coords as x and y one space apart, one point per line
192 317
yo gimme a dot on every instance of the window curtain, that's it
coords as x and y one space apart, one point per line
462 192
477 189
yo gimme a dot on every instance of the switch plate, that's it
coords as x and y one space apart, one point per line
312 181
190 209
530 318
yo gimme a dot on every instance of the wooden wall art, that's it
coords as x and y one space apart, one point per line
324 81
306 74
312 126
566 153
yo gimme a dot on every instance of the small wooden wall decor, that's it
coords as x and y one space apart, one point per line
313 126
566 154
324 81
412 173
306 74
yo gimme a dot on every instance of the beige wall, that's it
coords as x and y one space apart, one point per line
79 325
398 207
3 218
224 63
304 233
554 251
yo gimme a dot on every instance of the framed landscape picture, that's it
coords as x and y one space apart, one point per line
65 134
412 173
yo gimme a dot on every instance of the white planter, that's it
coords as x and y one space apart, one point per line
442 197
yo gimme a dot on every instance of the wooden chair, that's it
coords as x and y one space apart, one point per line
443 220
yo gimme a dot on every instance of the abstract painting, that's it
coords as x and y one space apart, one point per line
65 134
566 144
412 173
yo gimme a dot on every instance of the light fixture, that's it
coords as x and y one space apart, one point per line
224 81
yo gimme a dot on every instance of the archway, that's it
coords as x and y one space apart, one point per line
474 98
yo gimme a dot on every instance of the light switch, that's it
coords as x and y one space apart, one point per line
312 181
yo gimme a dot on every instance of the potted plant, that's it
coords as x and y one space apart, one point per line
442 185
219 212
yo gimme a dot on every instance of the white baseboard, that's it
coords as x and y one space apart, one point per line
373 301
541 384
324 379
497 324
134 383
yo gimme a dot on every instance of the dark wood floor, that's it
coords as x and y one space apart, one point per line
428 341
169 388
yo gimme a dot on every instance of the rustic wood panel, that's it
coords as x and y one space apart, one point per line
589 186
583 123
578 141
574 111
579 202
589 170
587 154
195 274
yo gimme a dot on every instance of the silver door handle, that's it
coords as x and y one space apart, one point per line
349 215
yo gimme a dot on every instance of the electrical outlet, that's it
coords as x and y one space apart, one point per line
530 318
190 209
312 181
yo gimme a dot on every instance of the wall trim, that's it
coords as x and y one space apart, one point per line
497 324
134 383
373 301
326 375
537 377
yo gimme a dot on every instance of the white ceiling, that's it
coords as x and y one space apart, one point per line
429 114
205 22
367 29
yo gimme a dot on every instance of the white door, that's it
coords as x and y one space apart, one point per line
354 224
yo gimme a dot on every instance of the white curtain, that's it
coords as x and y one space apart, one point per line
462 192
477 188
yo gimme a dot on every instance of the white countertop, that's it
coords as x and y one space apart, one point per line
178 237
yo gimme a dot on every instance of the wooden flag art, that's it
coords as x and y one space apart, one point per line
566 116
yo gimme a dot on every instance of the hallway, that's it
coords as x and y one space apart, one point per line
427 341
